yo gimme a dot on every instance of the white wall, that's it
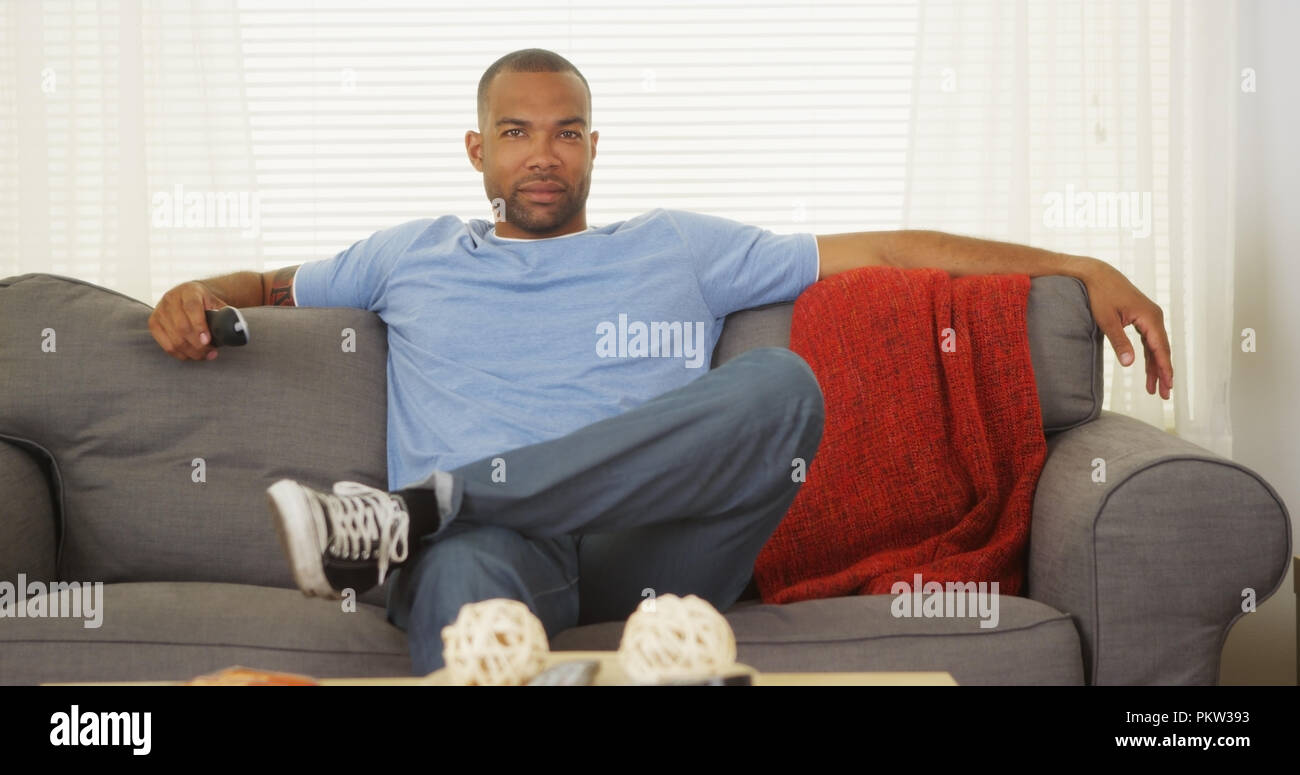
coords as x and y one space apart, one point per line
1265 384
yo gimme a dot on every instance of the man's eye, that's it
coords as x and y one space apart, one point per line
565 132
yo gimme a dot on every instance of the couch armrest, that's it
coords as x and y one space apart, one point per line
27 517
1153 561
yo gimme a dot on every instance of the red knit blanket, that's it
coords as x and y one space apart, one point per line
933 440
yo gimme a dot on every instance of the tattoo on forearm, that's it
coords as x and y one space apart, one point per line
282 287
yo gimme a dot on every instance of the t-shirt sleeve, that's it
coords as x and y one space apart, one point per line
741 266
357 276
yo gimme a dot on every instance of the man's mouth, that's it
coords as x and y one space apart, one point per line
542 192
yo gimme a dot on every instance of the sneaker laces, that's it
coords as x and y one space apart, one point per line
361 516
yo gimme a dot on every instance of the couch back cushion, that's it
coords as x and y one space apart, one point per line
163 465
1065 347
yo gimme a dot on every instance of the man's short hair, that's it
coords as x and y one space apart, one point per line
527 60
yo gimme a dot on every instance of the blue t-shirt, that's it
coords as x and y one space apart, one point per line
496 343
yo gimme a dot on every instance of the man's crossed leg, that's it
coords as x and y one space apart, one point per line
677 496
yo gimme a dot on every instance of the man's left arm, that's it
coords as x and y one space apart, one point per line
1115 302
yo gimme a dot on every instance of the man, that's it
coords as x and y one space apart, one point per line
555 434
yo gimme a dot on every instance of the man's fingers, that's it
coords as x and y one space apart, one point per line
182 335
1149 358
165 340
1119 342
198 323
177 326
1156 341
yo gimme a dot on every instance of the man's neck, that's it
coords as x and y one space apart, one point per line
498 235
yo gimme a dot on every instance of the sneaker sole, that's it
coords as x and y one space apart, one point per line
294 524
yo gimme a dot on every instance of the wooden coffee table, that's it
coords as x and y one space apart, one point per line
610 675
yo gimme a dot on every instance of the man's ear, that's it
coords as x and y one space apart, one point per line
474 148
595 136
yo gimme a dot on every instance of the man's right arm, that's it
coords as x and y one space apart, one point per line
254 289
278 287
179 325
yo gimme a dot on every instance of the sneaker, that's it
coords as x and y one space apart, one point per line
345 540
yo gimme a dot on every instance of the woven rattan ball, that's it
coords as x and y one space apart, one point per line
670 637
496 642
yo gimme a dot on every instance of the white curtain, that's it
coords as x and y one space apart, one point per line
130 143
1103 128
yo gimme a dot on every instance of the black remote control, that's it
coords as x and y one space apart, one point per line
228 327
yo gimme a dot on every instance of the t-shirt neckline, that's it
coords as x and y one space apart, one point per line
492 232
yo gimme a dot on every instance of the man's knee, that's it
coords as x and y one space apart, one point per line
476 557
464 566
476 562
787 382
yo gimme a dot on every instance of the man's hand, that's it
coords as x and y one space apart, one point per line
178 323
1115 304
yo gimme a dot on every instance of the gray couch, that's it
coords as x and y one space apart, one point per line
122 465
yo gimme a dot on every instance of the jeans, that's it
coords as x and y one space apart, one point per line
677 496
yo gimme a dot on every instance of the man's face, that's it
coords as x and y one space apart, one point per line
529 141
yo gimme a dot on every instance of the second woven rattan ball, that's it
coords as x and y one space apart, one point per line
671 638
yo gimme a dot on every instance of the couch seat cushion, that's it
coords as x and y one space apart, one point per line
165 631
1031 644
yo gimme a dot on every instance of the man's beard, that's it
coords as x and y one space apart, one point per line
535 217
